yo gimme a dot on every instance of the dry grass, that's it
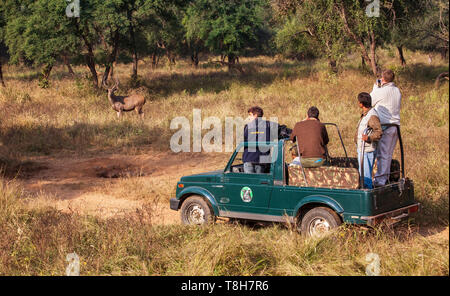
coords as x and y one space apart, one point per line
37 241
72 119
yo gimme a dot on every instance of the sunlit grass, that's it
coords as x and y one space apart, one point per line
72 119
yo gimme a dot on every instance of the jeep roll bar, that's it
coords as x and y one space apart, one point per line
402 158
340 137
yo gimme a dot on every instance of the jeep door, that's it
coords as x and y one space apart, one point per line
245 192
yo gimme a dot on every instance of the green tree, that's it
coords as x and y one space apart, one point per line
164 31
111 24
317 21
367 31
15 15
376 23
292 41
84 29
28 35
227 27
2 29
430 32
404 15
192 24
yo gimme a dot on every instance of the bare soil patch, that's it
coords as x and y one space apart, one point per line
18 169
95 185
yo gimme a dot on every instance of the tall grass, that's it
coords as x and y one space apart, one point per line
37 241
71 118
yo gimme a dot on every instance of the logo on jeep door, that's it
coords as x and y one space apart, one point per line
246 194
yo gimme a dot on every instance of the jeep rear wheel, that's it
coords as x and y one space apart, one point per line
319 221
195 210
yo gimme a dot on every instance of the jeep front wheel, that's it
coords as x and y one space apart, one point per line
319 221
195 210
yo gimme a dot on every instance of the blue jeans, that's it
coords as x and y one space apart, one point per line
252 168
369 158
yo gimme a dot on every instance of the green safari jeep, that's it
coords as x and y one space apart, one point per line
315 199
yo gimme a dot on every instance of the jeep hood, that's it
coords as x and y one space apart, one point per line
203 177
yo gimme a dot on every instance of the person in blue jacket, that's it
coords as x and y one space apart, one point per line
257 158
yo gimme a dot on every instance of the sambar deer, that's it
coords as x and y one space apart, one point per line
124 103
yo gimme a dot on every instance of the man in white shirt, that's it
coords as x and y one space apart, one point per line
386 100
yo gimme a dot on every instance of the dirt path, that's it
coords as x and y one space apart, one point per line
115 184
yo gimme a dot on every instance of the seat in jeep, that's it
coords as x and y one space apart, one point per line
325 176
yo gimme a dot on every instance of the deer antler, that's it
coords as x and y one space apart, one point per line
108 86
104 85
117 82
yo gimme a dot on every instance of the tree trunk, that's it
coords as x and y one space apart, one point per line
2 82
46 71
231 61
154 60
343 14
90 61
363 61
135 65
444 53
106 74
171 58
45 74
111 58
112 69
69 67
333 65
401 56
133 41
89 57
194 59
373 61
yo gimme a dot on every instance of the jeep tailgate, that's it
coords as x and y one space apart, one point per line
393 196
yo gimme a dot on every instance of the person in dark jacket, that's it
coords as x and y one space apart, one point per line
312 139
256 158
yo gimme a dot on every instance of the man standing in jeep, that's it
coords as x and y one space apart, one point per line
386 100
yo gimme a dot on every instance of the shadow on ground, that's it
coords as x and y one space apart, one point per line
78 137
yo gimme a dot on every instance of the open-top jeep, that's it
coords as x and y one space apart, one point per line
315 199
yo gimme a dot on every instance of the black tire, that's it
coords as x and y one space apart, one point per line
196 211
318 221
